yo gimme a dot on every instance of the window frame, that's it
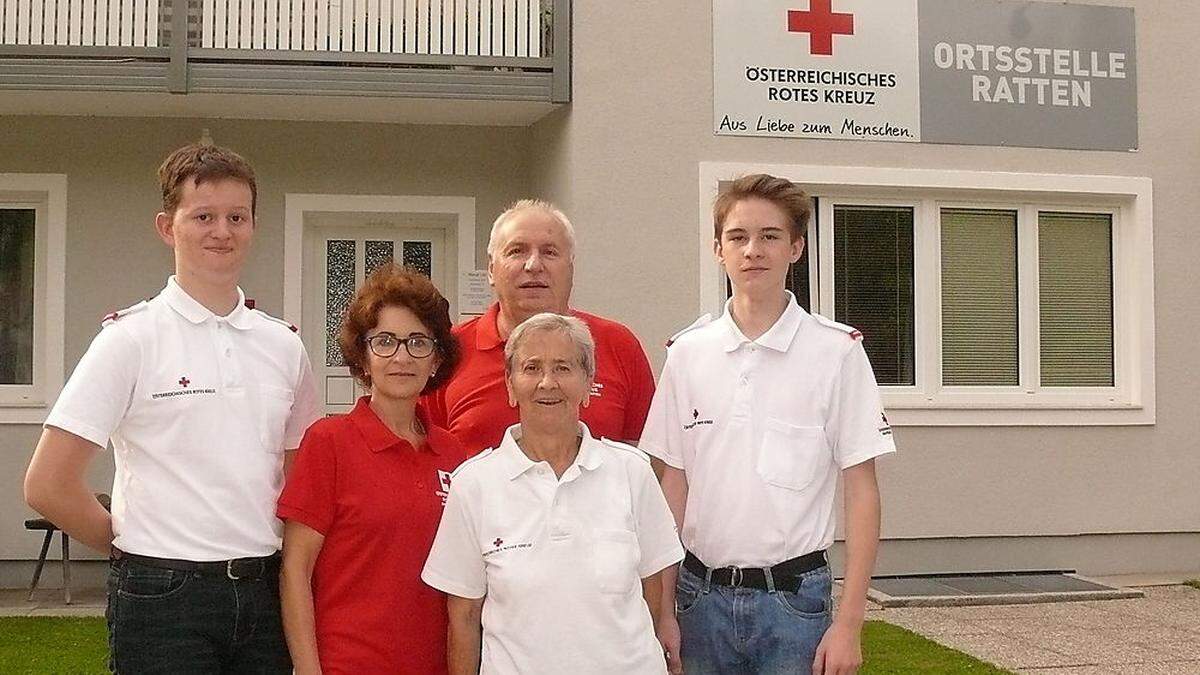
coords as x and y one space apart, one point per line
1127 200
46 194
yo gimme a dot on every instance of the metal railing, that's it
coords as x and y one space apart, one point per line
508 28
512 28
100 23
509 45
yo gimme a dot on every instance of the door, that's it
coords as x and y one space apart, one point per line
337 260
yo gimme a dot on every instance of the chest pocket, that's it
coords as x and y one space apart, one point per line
616 561
792 456
274 409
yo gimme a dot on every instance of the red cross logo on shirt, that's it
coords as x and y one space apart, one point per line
184 382
821 23
498 542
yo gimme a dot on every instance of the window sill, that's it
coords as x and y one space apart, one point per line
23 412
1033 414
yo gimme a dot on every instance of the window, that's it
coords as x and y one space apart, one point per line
1075 299
873 285
979 298
16 295
32 241
985 299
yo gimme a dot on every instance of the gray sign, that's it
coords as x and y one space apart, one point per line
1029 74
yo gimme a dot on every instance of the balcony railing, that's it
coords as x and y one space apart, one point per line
501 49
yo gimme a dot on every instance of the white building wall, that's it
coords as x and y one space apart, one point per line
1100 499
114 258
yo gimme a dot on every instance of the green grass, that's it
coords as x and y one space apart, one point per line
1194 583
54 645
898 651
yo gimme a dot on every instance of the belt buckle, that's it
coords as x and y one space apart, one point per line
735 577
229 570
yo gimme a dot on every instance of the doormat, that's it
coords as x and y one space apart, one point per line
990 588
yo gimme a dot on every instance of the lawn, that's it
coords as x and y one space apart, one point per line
897 651
52 645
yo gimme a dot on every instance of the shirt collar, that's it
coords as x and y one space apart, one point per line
487 331
376 433
516 462
778 337
190 309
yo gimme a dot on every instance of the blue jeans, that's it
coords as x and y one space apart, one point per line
168 621
747 630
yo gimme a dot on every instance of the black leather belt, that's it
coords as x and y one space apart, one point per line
785 576
249 569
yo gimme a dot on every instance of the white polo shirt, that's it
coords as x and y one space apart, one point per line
199 409
560 561
762 428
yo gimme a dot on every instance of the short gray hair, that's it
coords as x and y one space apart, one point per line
523 205
548 322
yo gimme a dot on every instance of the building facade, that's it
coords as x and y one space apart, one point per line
1026 308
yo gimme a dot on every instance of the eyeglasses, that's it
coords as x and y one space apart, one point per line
385 345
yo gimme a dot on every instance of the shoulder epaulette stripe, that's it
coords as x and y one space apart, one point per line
291 326
698 323
625 447
113 316
472 460
853 332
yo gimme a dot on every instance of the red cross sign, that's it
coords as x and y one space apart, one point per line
184 382
498 542
821 23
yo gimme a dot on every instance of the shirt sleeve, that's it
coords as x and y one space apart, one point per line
455 564
641 390
857 425
657 537
305 407
310 494
661 435
100 390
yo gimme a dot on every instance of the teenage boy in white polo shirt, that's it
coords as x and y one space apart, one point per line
203 399
756 414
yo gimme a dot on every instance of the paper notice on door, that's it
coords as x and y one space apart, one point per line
474 293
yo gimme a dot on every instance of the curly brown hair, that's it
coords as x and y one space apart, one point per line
779 191
393 285
203 162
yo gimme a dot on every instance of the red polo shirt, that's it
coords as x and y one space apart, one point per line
473 404
378 501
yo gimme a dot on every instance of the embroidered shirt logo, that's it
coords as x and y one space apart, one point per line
597 389
696 420
498 545
184 389
443 485
885 429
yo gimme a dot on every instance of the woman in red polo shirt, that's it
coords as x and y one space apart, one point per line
363 501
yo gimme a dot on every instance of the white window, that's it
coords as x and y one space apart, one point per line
1001 299
32 248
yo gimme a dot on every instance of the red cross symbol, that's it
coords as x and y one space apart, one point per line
497 542
821 23
184 382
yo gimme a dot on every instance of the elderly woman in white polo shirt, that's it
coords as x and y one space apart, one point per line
552 543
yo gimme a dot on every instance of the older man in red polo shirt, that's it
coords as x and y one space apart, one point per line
531 265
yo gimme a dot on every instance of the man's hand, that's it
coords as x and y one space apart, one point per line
840 651
668 636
